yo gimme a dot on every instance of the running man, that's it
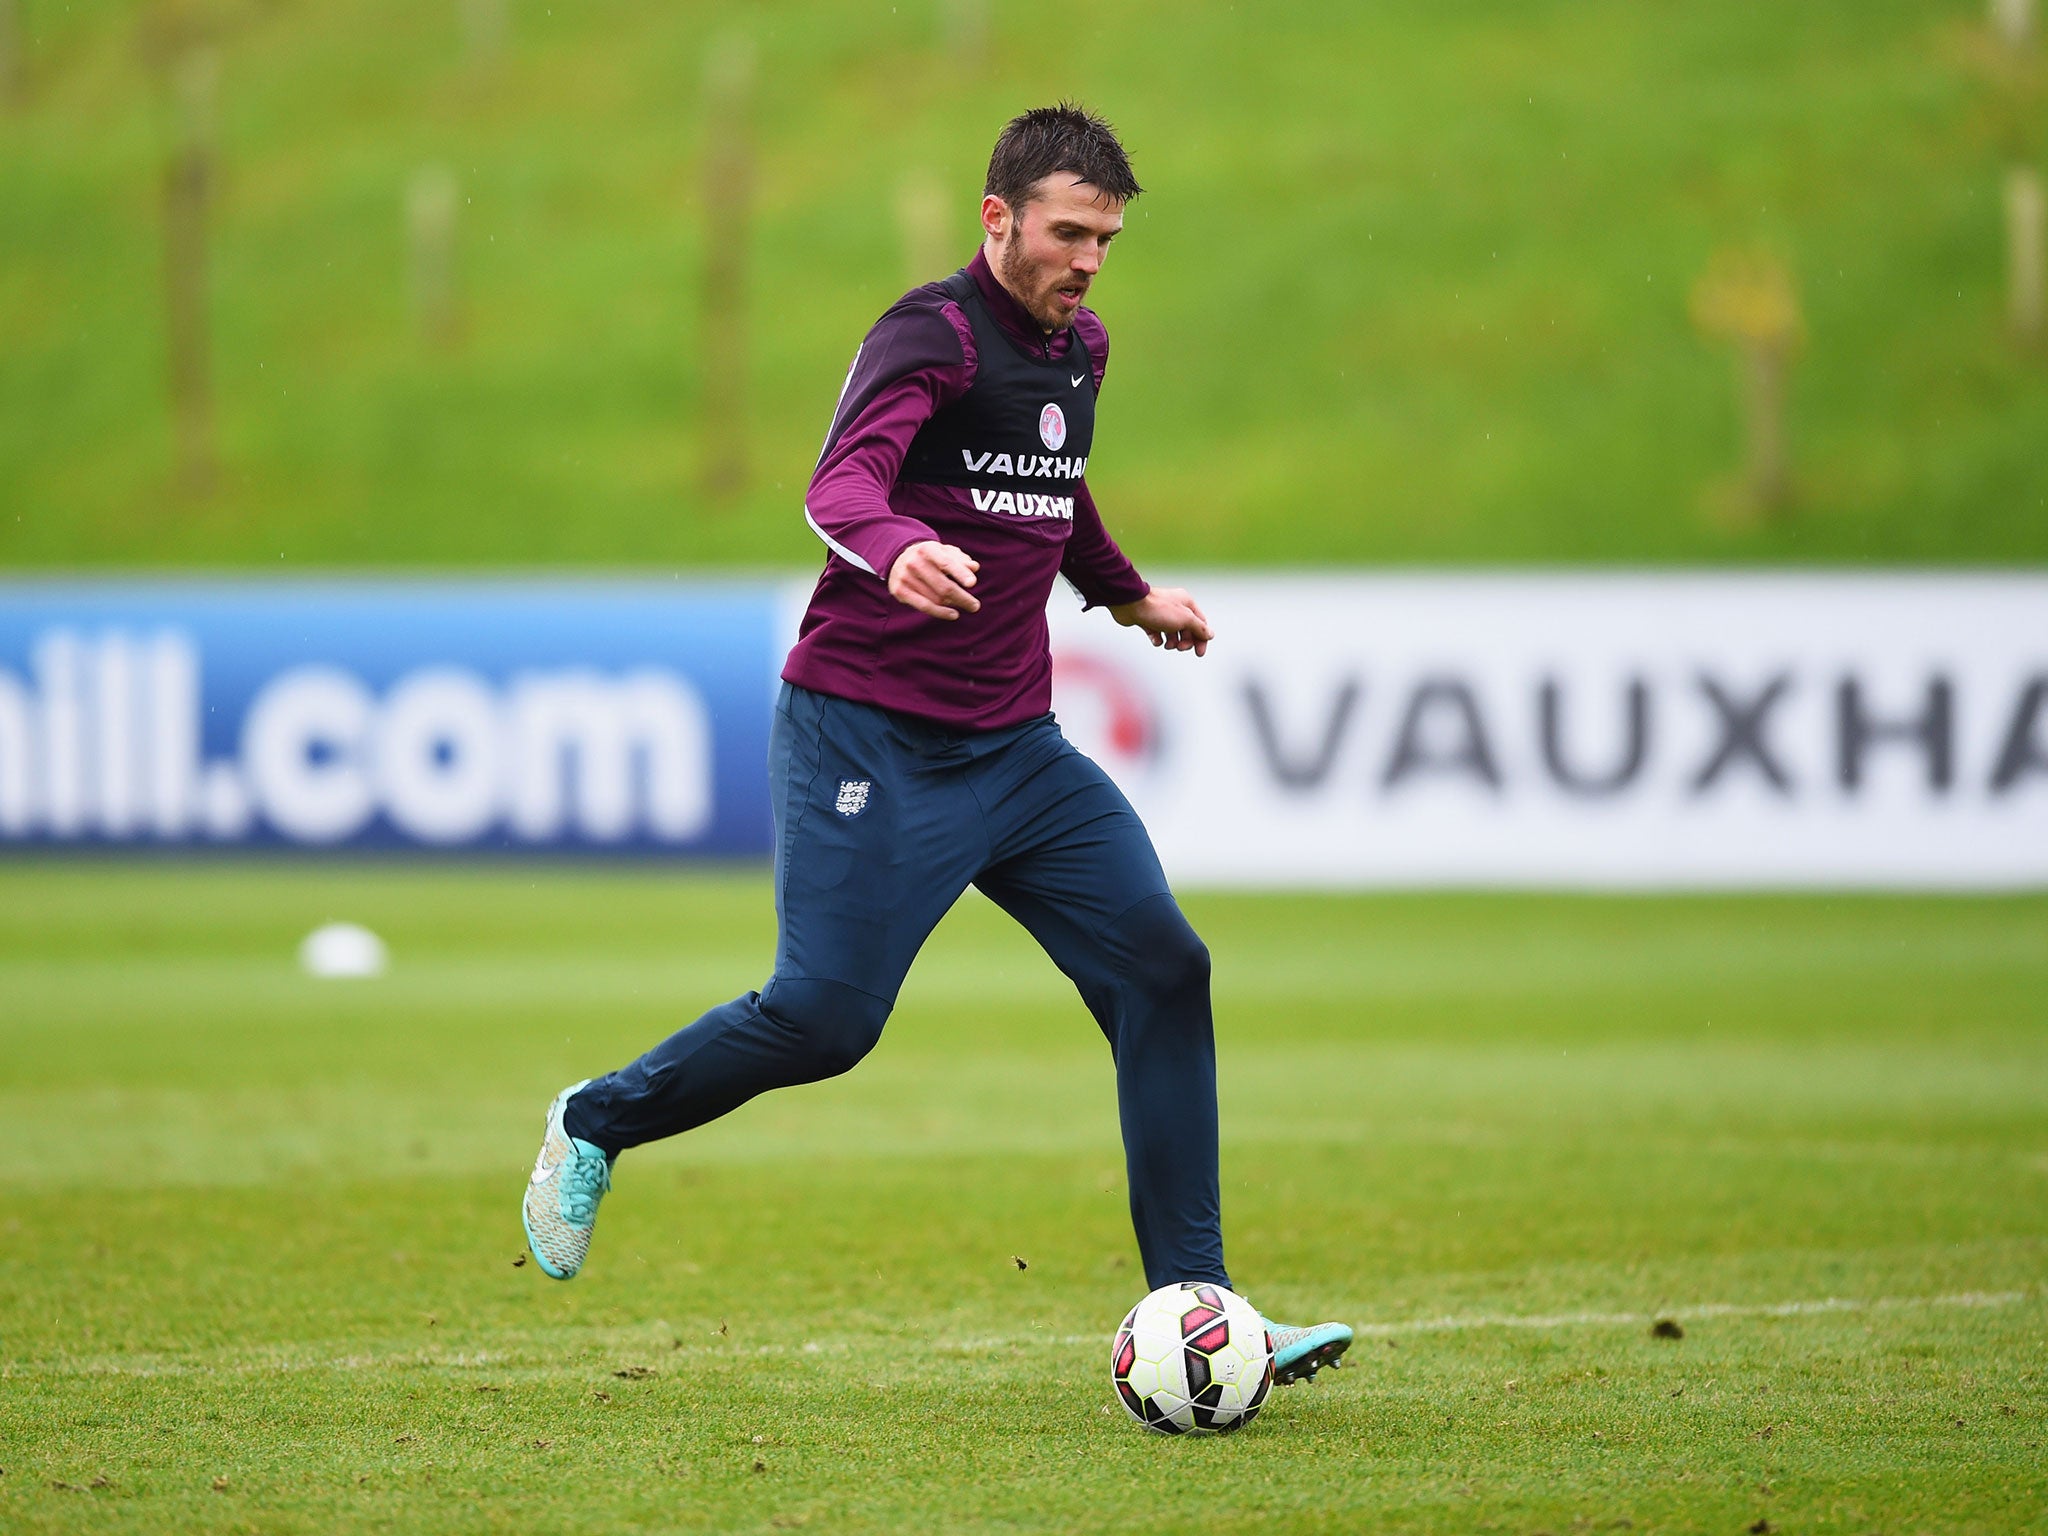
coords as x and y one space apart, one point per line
914 751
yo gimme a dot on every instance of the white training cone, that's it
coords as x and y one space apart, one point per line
342 950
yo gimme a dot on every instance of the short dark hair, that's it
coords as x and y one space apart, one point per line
1067 137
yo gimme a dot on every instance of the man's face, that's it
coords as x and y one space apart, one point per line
1048 252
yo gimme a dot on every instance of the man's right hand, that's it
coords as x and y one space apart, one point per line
933 578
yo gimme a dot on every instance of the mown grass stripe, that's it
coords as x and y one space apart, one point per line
893 1344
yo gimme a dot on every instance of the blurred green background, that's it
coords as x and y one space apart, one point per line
1411 282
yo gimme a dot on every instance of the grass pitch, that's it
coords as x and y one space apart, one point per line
259 1268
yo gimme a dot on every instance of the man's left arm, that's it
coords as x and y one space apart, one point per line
1099 570
1105 578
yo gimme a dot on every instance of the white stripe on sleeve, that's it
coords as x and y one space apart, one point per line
835 546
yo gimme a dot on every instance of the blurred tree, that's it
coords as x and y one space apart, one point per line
1747 297
728 172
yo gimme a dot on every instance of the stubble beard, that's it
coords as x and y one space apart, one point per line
1022 282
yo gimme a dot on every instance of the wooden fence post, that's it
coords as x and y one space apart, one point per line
188 188
13 55
431 211
964 26
485 24
2013 20
921 221
2026 225
1748 298
728 198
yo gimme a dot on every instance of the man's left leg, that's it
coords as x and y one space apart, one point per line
1073 863
1145 977
1070 860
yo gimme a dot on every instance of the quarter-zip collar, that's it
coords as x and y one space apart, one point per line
1016 321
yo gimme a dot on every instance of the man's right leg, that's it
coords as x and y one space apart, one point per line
794 1030
875 838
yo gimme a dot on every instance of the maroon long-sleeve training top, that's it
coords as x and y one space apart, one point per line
983 670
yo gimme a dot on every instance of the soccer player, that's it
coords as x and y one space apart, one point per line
914 751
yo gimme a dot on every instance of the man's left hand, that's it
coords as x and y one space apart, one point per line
1170 616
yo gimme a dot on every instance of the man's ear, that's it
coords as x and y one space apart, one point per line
995 217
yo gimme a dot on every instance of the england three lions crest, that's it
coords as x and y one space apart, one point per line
853 796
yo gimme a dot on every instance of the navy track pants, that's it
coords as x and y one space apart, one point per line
882 820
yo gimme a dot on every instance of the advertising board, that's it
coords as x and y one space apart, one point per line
1561 730
1621 731
604 717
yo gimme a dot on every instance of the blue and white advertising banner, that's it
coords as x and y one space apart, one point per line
1617 731
486 717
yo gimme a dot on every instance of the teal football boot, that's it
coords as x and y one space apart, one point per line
569 1178
1298 1353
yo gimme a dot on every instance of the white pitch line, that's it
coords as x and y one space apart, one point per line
508 1364
1683 1313
1476 1321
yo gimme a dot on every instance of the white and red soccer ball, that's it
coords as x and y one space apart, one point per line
1192 1356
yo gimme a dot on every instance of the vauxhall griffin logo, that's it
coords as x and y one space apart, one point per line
1105 710
1052 427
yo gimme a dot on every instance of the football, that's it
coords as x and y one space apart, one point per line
1192 1356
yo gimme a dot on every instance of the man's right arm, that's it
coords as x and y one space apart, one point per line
918 358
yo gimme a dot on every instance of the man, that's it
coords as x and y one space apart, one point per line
913 750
